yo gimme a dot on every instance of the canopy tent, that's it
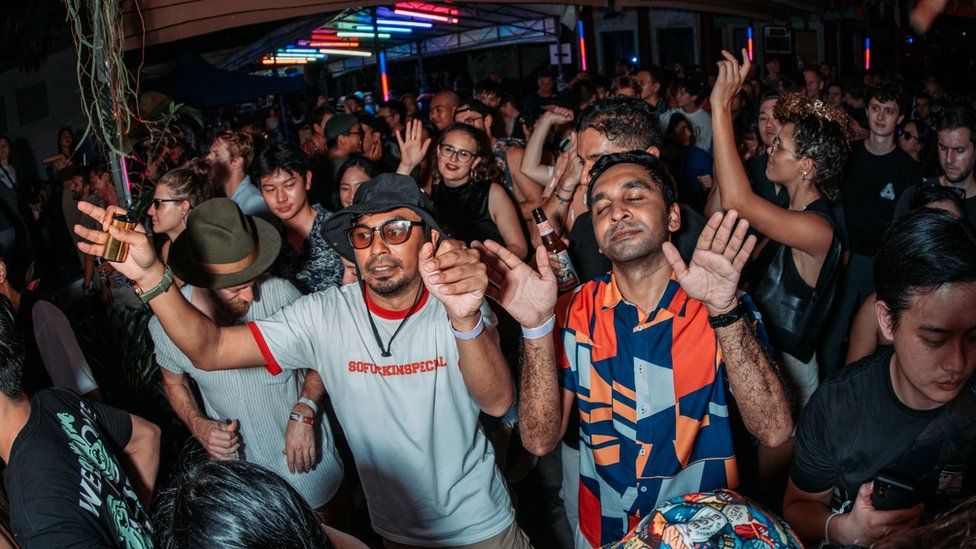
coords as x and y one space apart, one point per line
151 22
198 83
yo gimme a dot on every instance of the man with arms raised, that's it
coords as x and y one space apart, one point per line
646 350
404 355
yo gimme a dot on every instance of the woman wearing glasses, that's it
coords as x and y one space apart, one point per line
468 197
176 193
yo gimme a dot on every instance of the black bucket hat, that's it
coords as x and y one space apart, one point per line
383 193
221 247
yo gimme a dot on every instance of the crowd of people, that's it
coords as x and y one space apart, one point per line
770 340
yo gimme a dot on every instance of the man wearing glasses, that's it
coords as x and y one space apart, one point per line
404 355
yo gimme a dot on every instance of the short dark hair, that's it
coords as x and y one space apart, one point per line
584 90
885 93
96 166
547 73
958 116
279 155
922 251
928 193
925 96
625 121
235 505
694 87
11 352
318 113
394 106
652 164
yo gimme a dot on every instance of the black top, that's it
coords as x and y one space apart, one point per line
904 203
65 484
463 212
855 426
871 188
590 263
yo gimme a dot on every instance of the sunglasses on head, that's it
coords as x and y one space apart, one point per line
393 232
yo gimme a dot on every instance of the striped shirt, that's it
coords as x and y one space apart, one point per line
654 422
260 402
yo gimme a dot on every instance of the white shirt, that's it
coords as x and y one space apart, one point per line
62 357
701 124
427 468
249 199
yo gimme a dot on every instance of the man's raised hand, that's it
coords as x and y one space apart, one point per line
141 262
713 275
455 275
528 295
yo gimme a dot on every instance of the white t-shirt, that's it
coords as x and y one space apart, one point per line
427 469
701 123
63 359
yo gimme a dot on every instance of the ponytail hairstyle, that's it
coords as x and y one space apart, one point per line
192 182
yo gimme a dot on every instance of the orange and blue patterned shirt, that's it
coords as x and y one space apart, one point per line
654 421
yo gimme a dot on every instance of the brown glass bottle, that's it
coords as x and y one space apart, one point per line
565 272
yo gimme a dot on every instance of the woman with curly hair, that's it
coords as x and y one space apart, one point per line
793 271
470 201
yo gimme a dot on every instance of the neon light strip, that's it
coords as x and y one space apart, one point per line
352 34
300 55
582 45
125 177
383 79
417 24
429 8
354 53
867 54
352 44
284 62
432 17
749 42
296 50
368 28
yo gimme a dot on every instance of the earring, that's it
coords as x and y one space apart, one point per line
803 177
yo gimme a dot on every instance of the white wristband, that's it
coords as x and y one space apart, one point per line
540 331
308 402
467 336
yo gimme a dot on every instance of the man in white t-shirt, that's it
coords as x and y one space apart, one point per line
404 356
689 97
53 357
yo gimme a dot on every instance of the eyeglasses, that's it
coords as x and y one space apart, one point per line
908 136
157 202
449 152
394 231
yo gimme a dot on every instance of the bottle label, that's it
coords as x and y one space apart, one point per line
544 228
565 272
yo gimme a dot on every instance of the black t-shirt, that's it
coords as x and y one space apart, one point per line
65 485
590 263
871 188
904 203
855 426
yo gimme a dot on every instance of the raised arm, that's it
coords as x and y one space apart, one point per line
531 165
805 231
413 147
712 278
530 297
457 278
529 194
558 204
208 346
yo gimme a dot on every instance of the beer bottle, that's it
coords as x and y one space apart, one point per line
565 272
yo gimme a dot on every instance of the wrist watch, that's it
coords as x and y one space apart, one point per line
157 290
727 319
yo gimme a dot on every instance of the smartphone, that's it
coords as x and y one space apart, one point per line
565 144
890 493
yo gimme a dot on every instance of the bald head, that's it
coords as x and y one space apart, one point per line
442 109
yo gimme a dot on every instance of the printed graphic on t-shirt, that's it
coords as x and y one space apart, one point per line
888 192
103 488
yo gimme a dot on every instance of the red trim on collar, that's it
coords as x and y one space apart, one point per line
269 360
395 315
